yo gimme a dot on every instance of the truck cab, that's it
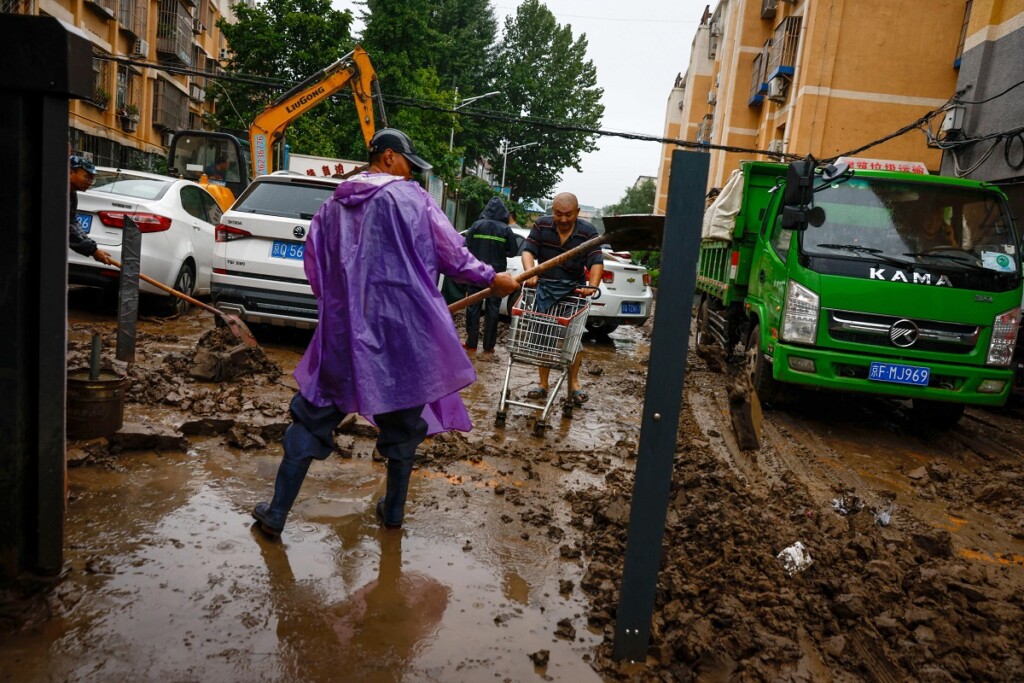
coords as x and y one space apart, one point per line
874 281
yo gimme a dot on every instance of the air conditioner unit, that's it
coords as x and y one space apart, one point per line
225 54
141 48
197 26
716 29
777 89
166 137
712 99
768 8
776 147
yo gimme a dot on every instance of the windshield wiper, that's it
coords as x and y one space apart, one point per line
956 258
872 251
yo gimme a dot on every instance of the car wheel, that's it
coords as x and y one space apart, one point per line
186 284
760 370
601 326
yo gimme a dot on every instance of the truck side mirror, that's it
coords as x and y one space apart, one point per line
799 183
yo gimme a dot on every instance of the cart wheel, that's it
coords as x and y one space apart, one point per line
538 429
567 411
499 420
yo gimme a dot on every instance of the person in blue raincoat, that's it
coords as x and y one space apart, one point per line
385 346
491 240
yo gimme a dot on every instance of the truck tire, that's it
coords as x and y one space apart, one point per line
701 336
760 370
937 414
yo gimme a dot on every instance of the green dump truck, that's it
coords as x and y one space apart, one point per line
864 279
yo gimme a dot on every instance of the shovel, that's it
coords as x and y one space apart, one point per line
232 322
527 274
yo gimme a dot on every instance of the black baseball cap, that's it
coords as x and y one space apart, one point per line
394 139
83 163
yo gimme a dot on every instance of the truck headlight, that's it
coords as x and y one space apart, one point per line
1004 338
800 318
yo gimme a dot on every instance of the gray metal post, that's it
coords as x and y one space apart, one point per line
662 401
128 291
49 66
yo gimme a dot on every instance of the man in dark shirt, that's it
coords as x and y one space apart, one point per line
551 236
81 176
492 241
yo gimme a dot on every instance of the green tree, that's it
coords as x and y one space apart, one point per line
639 198
436 53
544 74
287 41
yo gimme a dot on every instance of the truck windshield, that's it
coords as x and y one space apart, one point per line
939 228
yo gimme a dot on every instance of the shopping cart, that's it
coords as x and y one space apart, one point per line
547 340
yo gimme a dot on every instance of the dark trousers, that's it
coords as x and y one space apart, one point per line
310 437
490 306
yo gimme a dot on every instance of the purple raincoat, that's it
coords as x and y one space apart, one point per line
385 340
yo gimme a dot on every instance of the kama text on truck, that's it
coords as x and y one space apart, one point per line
902 284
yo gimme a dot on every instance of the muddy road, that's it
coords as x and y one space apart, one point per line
509 564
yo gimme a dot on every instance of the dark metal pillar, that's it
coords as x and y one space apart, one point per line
662 401
49 66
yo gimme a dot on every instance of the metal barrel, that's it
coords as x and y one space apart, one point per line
95 408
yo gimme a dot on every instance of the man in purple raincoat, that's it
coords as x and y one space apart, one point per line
385 346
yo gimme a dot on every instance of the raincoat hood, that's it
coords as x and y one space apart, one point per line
495 211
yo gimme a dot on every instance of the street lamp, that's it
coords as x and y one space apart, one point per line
505 150
460 105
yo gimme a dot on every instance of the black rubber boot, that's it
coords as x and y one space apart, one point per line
391 508
290 475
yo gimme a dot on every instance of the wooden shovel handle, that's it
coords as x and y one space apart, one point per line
174 292
527 274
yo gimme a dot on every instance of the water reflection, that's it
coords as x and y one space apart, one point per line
372 635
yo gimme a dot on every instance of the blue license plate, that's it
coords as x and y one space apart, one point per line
289 250
630 308
84 222
899 373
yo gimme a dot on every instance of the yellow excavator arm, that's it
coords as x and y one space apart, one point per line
353 69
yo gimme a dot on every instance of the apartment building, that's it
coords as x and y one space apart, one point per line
150 57
814 76
983 138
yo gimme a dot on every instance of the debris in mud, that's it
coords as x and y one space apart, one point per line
540 658
219 357
566 630
147 437
847 504
795 558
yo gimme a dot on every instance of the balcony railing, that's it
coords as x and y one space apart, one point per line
758 80
782 52
170 106
107 8
174 32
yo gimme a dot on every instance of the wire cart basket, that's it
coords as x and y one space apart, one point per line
547 340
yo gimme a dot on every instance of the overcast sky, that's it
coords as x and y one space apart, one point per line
638 48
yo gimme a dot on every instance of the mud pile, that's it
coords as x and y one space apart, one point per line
885 603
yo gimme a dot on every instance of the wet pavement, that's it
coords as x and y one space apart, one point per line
168 579
509 564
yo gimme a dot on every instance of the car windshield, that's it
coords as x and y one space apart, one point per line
948 227
136 187
288 200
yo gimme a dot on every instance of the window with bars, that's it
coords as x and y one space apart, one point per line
132 16
129 93
17 7
963 35
100 83
782 52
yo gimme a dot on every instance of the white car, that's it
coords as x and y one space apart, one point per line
176 218
257 259
626 295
